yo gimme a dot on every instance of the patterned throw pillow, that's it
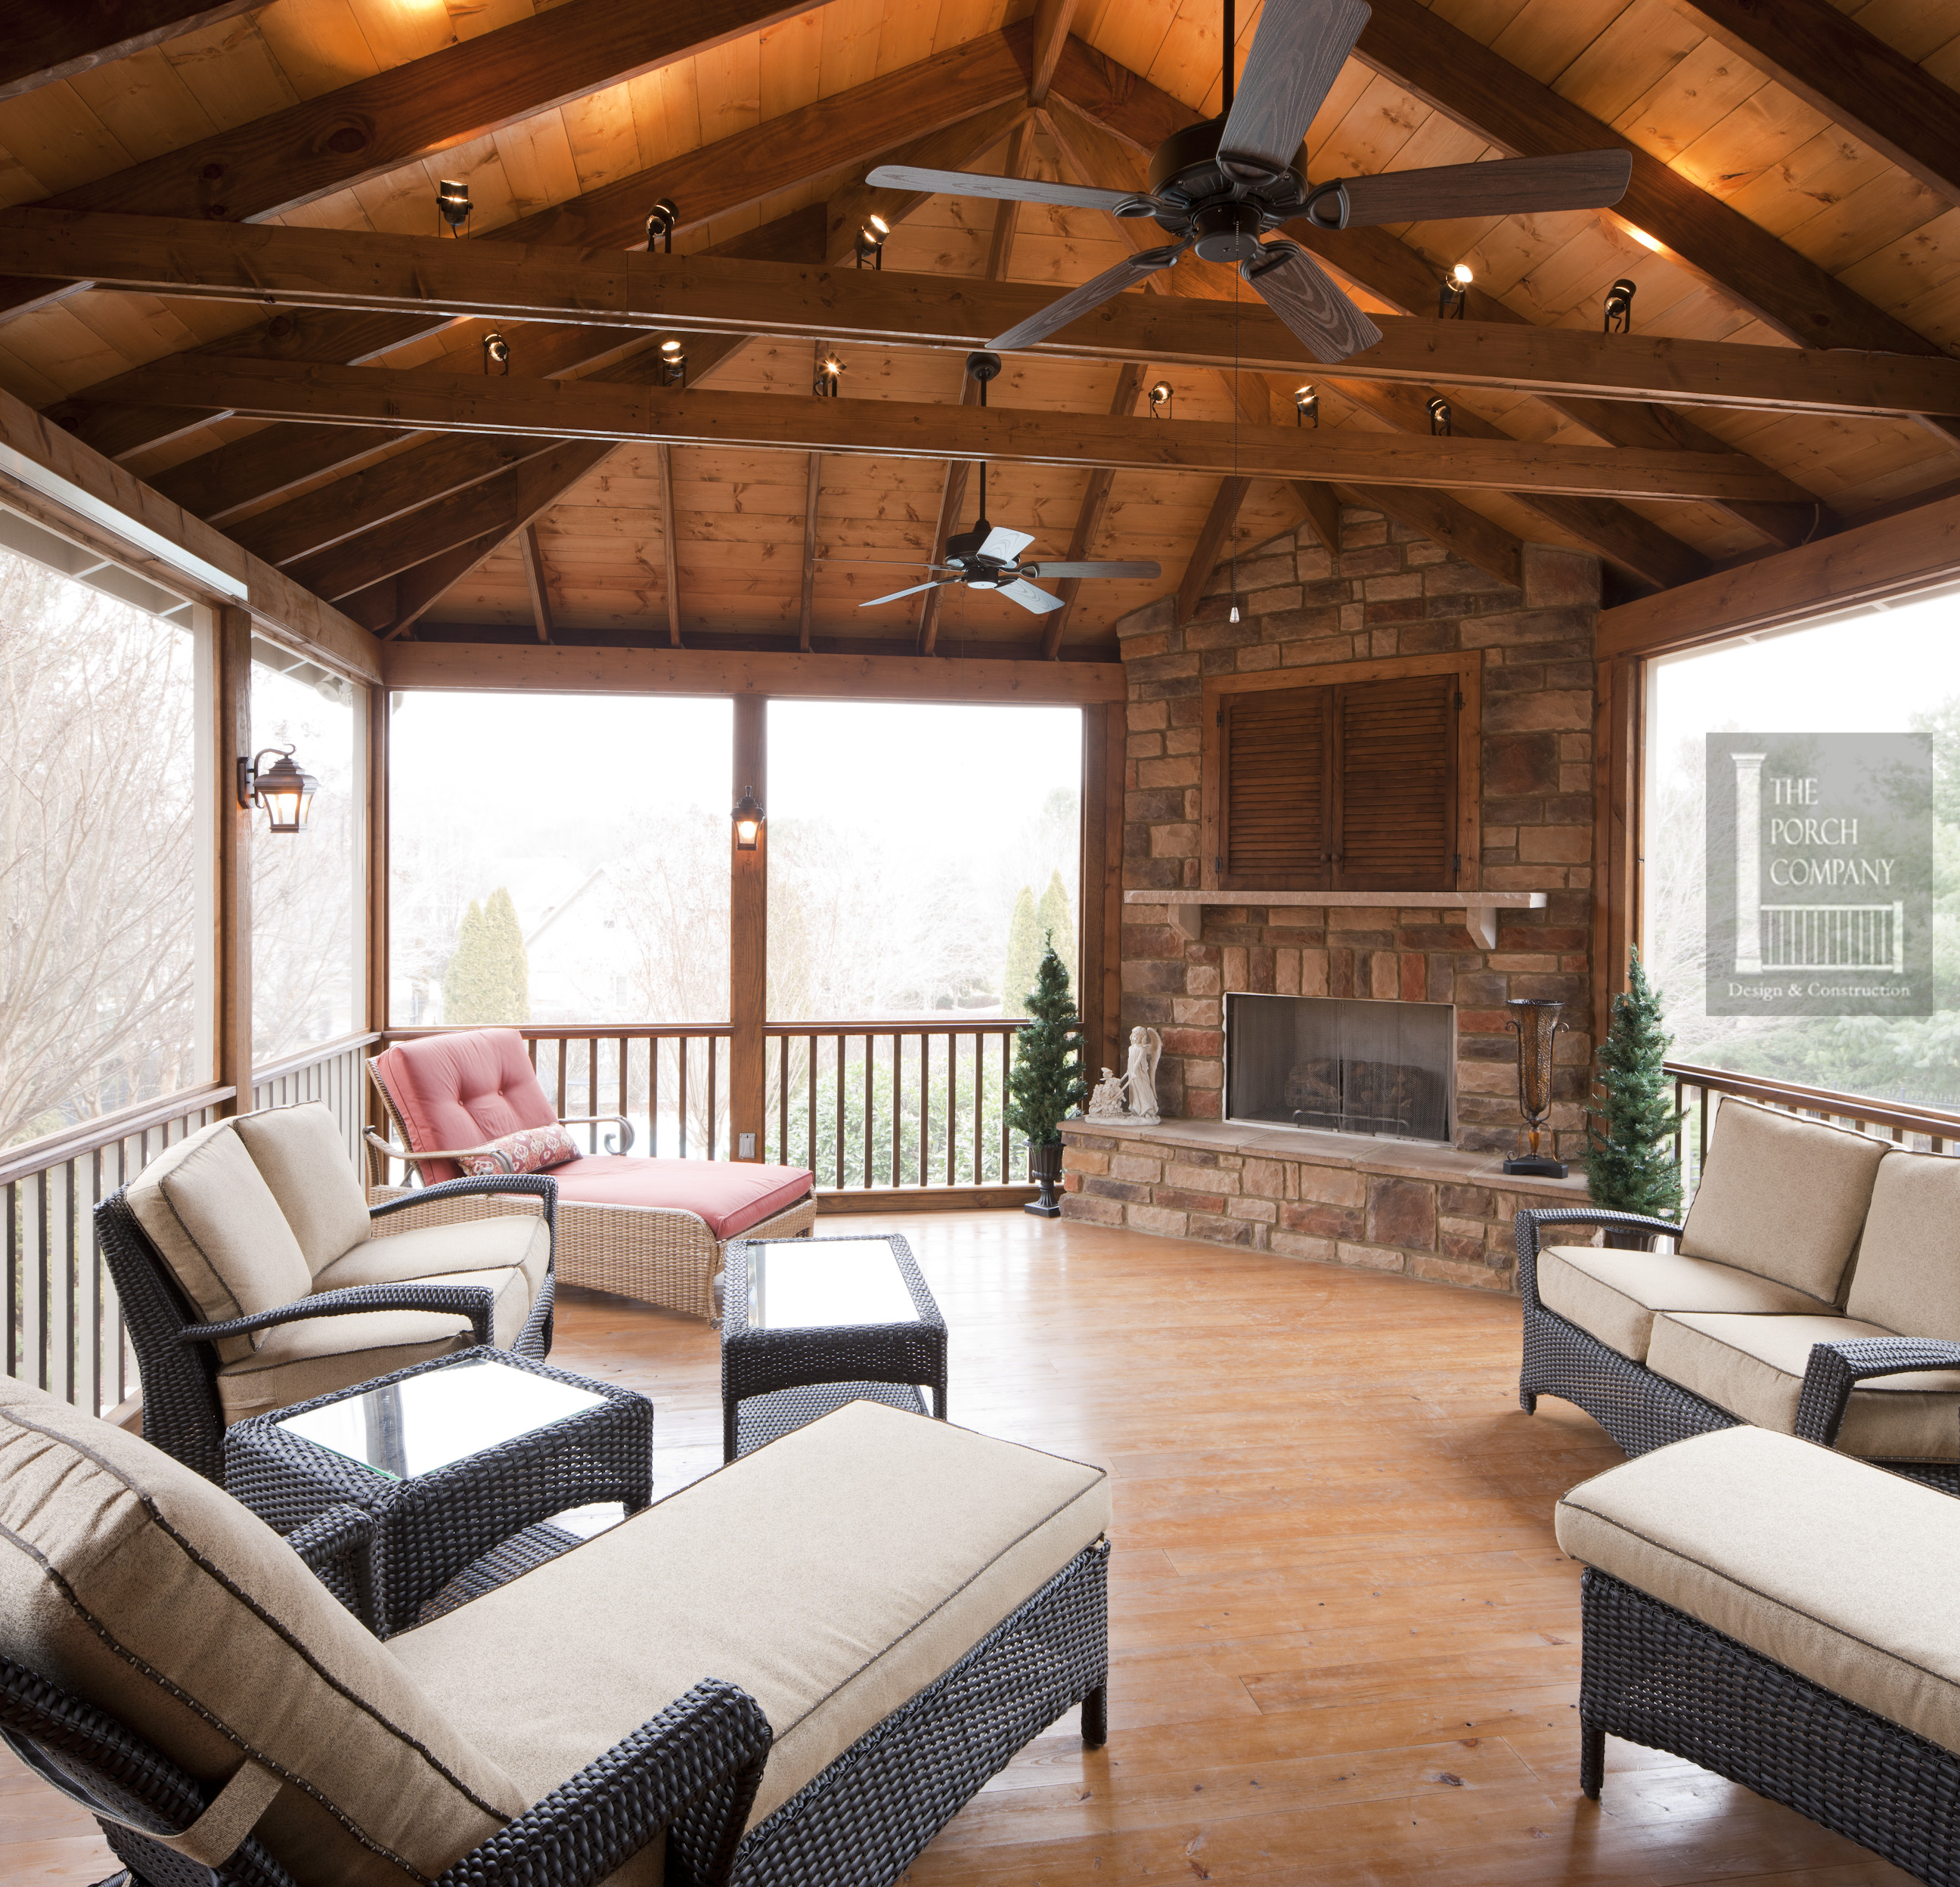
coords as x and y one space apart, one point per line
529 1150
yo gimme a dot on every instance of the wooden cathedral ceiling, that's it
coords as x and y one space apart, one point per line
1796 181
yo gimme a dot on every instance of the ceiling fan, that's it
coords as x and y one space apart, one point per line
989 556
1219 186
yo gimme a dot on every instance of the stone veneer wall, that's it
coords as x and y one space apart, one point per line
1389 593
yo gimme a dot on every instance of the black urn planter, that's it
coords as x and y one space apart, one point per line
1045 1169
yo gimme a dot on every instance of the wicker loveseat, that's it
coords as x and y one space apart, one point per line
795 1670
1815 1290
656 1229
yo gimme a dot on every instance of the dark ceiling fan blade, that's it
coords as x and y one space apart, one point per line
1037 601
1510 186
1302 293
1297 54
936 583
904 176
1048 571
1092 294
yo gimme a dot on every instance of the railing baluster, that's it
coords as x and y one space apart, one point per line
783 1100
681 1045
714 1044
809 1111
871 1081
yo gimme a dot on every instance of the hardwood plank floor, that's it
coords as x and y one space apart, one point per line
1345 1648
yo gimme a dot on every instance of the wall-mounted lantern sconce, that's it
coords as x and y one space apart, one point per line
285 791
748 818
1439 417
660 222
1620 306
1161 396
1452 294
1306 407
452 203
871 245
829 370
673 364
495 347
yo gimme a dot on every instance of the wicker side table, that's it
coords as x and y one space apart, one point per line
502 1456
809 1324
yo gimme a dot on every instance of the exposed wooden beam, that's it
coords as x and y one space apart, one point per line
1323 512
952 500
810 549
669 541
517 281
593 409
1095 506
51 39
412 595
467 89
535 580
53 477
1863 564
1215 535
1051 34
1852 76
556 668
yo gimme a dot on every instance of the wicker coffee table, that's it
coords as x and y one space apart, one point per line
809 1324
462 1460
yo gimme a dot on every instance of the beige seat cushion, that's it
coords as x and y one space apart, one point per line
302 1156
1613 1296
519 1242
831 1575
1908 1274
1753 1367
1782 1197
209 1210
133 1581
1836 1570
314 1356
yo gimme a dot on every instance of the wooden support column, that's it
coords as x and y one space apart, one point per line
1618 730
376 696
1105 737
670 544
748 938
231 903
810 550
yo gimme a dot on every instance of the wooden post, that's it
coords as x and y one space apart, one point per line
748 938
377 698
1105 732
1618 727
231 906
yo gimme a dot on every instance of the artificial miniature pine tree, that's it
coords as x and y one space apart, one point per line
1630 1165
1046 1084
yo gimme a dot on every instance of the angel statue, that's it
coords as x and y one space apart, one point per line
1107 1100
1146 1049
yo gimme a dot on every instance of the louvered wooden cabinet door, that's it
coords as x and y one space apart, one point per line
1395 811
1274 783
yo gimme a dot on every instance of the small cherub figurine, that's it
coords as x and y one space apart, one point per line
1108 1097
1146 1046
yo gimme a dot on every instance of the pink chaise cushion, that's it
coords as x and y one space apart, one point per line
731 1195
463 1090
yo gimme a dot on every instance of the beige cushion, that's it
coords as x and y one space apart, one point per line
520 1243
1753 1367
301 1156
1908 1274
1613 1296
209 1210
135 1583
1782 1197
1834 1570
831 1575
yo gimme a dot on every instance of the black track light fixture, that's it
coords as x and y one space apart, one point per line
1452 294
452 204
870 244
662 220
496 348
673 363
1161 397
1620 306
1306 406
829 370
1439 417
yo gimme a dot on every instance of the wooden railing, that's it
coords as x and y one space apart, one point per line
63 1329
1921 1129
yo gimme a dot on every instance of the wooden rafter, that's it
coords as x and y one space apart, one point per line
536 580
729 295
1051 34
1213 537
597 410
1089 519
48 40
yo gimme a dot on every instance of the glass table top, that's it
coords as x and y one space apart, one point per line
430 1421
804 1284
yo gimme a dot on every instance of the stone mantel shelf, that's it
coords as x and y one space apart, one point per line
1184 910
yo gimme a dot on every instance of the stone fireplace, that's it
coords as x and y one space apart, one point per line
1384 1069
1232 1164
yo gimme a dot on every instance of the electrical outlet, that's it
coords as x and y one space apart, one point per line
745 1144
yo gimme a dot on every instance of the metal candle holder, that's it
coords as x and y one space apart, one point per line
1536 1022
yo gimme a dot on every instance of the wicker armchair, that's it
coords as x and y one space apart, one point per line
656 1230
252 1274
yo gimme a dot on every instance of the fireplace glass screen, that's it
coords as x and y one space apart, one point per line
1303 1061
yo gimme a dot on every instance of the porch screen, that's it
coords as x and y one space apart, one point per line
1346 787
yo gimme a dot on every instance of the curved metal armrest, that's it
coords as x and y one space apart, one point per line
626 1126
475 1301
409 1156
538 1186
1836 1368
692 1770
335 1546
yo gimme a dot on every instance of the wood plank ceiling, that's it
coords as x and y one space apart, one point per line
1774 213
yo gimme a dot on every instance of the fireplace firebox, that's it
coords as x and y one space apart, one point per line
1385 1068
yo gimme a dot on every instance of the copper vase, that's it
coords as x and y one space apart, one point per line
1537 1022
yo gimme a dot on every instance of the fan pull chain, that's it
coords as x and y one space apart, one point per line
1234 526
